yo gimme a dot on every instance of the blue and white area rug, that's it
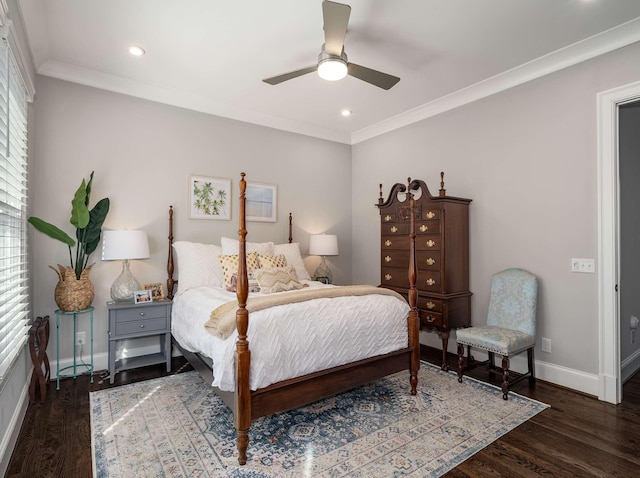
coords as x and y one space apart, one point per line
176 427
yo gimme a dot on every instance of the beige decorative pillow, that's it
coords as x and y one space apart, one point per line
269 262
229 265
279 279
294 258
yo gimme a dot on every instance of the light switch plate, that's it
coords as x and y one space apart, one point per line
583 265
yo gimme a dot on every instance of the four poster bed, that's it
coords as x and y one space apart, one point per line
374 332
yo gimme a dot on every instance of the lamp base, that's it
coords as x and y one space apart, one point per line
125 285
323 271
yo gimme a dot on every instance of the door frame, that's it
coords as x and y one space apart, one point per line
609 375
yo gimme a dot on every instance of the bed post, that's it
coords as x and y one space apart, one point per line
412 320
290 229
170 280
243 354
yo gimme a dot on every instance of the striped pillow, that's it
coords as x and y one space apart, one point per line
278 279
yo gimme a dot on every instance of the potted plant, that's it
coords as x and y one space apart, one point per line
74 290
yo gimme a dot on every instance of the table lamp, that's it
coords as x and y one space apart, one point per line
124 245
323 245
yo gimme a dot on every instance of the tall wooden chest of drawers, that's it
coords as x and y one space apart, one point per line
442 255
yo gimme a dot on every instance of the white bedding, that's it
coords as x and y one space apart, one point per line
292 340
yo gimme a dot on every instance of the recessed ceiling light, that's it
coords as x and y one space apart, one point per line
346 112
136 50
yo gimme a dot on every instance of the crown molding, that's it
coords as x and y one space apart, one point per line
604 42
182 99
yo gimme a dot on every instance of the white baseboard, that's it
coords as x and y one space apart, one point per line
556 374
11 435
630 366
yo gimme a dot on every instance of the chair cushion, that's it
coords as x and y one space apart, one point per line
495 339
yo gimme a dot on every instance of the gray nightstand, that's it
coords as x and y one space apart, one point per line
130 321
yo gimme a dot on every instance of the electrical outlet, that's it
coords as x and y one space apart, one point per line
546 345
80 338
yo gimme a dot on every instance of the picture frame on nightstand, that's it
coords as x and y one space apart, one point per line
156 288
142 296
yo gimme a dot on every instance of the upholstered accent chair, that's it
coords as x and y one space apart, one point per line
510 329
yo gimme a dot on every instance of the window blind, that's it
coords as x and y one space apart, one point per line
14 285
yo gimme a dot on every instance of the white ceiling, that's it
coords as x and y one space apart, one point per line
210 55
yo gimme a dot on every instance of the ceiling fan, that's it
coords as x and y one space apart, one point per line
332 62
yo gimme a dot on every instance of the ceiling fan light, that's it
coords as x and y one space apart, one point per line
332 69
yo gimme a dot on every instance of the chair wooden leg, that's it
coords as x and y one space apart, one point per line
460 361
492 360
532 368
505 377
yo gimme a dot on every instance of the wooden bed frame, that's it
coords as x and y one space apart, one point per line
248 405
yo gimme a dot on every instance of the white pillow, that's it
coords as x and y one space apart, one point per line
292 254
198 265
230 247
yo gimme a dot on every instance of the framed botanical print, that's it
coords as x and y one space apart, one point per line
209 198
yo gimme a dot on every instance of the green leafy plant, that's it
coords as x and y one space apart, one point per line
208 200
88 224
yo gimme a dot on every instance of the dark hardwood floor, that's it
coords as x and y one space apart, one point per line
577 437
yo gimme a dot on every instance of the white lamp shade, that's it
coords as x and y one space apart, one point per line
323 245
118 245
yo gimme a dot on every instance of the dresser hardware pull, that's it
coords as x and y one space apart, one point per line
431 243
142 326
430 281
387 218
431 305
394 229
387 243
424 228
431 261
387 276
141 314
431 215
430 318
387 258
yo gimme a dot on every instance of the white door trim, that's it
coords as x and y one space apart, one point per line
609 380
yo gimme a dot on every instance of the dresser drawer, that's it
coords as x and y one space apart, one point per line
428 242
394 277
429 281
429 305
430 213
395 259
428 261
395 229
399 242
140 326
427 227
388 217
430 319
133 314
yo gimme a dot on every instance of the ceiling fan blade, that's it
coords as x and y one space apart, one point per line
274 80
336 19
375 77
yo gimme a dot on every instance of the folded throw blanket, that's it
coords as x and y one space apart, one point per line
222 321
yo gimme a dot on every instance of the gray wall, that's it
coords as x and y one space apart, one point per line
143 153
629 170
527 158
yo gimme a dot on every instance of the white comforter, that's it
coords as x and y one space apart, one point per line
292 340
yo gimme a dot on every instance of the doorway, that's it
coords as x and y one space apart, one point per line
609 103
